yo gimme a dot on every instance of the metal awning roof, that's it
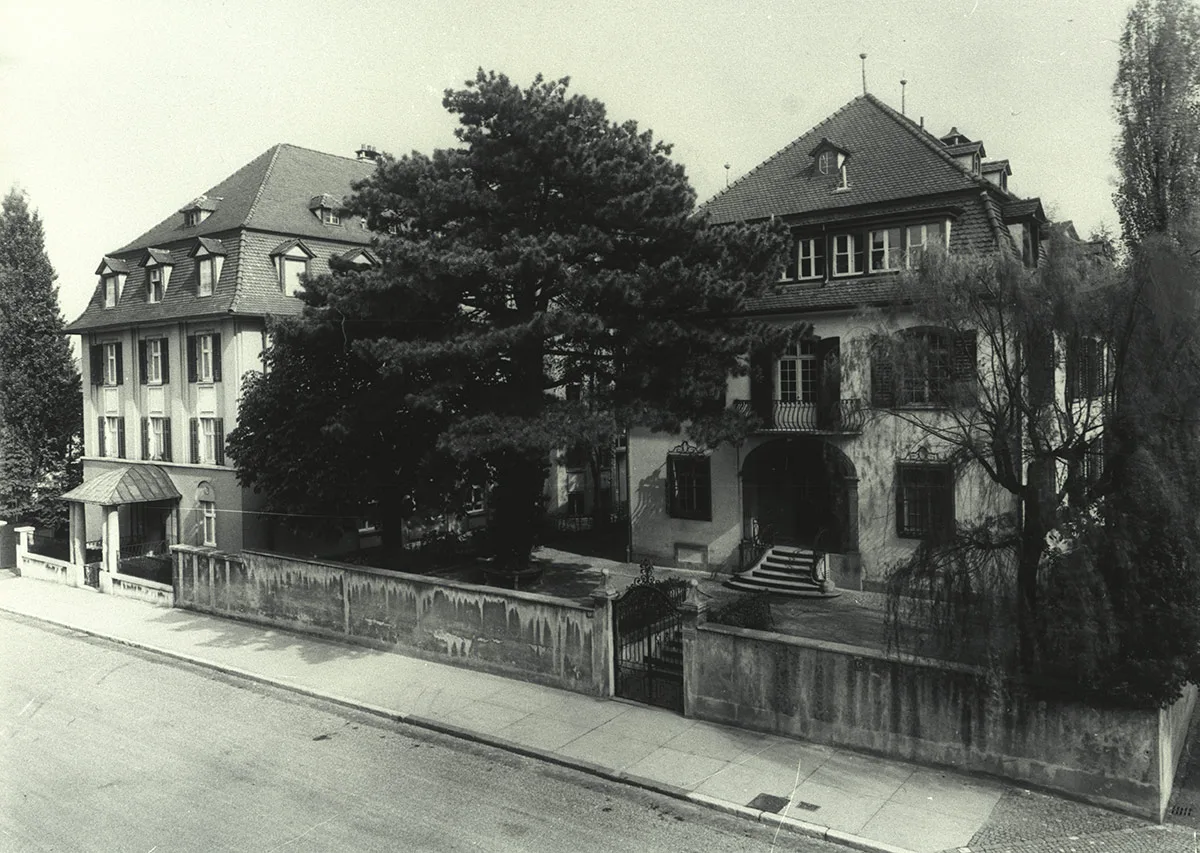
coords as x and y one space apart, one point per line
130 484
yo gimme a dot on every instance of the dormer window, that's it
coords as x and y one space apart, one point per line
327 208
210 257
198 210
291 262
158 266
112 272
359 259
831 161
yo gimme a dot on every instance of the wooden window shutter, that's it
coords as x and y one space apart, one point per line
762 384
965 362
97 364
100 433
166 448
191 359
194 425
142 362
899 479
219 442
670 486
705 482
1072 367
829 382
216 358
883 379
121 437
120 345
145 438
947 499
164 351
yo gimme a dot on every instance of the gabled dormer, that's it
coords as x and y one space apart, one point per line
210 258
997 172
112 272
359 258
158 264
829 160
326 208
966 153
198 210
291 259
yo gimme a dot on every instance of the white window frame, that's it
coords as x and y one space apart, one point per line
807 254
851 255
330 216
208 441
289 275
892 254
797 374
154 361
112 289
156 287
208 263
112 437
913 251
208 523
110 363
827 162
204 358
157 437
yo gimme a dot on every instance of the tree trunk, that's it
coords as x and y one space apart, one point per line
1034 527
518 510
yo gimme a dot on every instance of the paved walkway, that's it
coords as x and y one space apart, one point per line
843 796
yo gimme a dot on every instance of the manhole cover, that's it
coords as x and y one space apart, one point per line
768 803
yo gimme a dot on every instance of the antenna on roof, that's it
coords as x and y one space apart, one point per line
903 83
863 58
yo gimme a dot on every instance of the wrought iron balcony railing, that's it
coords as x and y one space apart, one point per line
838 416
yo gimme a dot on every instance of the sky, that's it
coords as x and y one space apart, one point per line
115 114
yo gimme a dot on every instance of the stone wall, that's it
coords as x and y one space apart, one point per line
932 712
534 637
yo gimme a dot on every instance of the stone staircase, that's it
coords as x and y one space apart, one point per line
784 570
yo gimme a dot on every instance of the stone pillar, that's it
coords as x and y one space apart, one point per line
603 596
78 524
24 540
694 615
111 539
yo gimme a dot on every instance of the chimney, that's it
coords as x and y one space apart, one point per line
367 152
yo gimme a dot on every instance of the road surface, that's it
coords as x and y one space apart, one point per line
105 748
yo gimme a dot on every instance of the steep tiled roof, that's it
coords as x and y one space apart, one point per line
271 192
1020 209
839 293
258 204
892 158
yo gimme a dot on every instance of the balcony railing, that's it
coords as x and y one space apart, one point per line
841 416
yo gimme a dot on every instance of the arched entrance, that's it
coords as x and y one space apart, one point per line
801 491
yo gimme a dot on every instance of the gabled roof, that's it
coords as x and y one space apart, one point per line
270 193
996 166
894 158
210 245
158 256
200 203
110 264
1022 209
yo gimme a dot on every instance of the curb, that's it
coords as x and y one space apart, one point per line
794 825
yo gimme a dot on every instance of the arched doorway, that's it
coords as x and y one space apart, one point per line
801 491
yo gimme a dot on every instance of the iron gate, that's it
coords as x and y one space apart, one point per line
648 628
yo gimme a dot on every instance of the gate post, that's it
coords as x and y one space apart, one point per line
693 610
602 637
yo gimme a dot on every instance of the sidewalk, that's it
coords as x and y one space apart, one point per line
843 796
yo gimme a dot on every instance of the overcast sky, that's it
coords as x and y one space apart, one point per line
115 114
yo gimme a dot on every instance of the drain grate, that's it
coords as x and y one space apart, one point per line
808 807
1182 811
768 803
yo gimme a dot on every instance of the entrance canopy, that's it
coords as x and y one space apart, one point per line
130 484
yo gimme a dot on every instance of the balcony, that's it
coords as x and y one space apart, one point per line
839 417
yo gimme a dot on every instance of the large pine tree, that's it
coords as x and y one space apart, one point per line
552 248
41 408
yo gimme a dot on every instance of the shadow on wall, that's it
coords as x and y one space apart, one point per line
647 511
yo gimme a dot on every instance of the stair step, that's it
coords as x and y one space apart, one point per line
776 583
796 592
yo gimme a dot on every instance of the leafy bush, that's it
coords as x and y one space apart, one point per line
746 611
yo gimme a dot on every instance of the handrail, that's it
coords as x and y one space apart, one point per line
840 416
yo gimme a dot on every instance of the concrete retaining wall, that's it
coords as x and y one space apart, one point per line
934 712
127 586
526 635
44 568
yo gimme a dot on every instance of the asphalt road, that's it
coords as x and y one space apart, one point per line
105 748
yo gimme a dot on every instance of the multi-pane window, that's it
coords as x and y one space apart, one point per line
154 284
885 250
798 374
926 368
154 360
208 527
112 436
689 487
1085 368
208 440
112 289
811 257
924 501
847 259
208 276
204 358
112 364
157 439
920 238
330 217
